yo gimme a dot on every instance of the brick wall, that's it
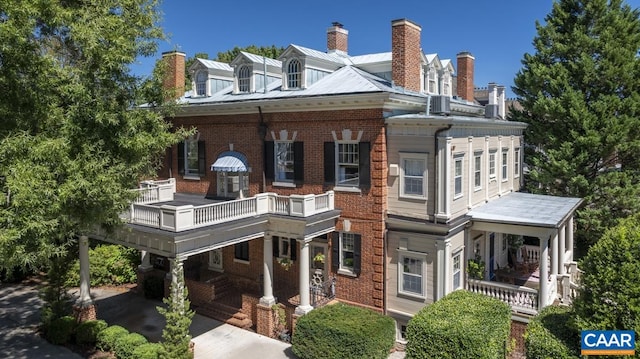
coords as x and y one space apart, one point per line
406 54
337 38
465 62
175 75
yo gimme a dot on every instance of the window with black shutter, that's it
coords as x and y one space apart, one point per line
242 251
346 252
349 166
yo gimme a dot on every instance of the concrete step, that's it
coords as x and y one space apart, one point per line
225 313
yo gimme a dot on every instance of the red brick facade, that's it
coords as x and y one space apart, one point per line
465 75
174 77
337 38
406 52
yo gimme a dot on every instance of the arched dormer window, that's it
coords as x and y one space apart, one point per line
294 74
432 86
446 83
244 79
201 83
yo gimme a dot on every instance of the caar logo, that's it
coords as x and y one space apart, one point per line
608 342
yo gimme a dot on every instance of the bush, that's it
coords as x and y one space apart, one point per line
60 331
107 338
147 351
87 331
549 335
153 288
127 344
460 325
109 264
341 331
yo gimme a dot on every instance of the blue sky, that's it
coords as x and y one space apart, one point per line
498 33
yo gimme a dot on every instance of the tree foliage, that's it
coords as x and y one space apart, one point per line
72 140
609 297
175 335
581 98
271 52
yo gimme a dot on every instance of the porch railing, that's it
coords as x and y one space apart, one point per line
322 292
186 217
521 299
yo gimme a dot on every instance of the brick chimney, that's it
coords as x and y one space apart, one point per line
174 75
337 38
405 54
465 75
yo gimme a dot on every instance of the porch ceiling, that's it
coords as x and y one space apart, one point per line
527 209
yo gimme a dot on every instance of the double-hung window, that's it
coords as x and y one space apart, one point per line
285 248
284 162
457 270
413 180
492 164
477 171
345 252
348 160
457 176
411 274
346 164
505 157
191 157
516 162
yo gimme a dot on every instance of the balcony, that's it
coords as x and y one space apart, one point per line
158 206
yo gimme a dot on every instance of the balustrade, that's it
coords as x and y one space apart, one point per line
521 299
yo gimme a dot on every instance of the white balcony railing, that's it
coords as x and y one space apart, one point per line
521 299
185 217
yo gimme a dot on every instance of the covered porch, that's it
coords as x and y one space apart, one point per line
525 242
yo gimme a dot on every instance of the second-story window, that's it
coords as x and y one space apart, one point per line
191 157
244 79
505 156
201 83
492 164
284 162
294 74
457 176
477 171
516 162
346 164
413 176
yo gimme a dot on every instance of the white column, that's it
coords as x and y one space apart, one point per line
439 270
471 174
146 261
303 259
487 254
544 272
447 267
267 266
85 280
570 237
554 254
561 250
485 183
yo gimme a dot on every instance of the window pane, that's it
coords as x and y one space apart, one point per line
284 161
412 275
244 79
192 156
348 171
293 74
346 251
201 83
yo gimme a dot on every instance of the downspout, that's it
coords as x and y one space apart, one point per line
436 176
262 132
384 269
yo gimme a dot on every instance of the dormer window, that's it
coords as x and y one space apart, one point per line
244 79
446 83
432 84
201 83
294 74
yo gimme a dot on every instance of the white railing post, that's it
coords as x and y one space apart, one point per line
262 202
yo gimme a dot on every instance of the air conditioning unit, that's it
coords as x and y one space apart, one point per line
491 111
440 105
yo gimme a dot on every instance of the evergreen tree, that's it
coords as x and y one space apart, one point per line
581 98
175 335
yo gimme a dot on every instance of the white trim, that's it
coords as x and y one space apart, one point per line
458 157
413 156
422 257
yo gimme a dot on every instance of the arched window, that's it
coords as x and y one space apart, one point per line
244 79
294 74
201 83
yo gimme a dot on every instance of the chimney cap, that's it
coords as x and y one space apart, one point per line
337 24
173 52
405 21
465 54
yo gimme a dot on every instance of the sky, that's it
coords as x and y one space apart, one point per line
497 33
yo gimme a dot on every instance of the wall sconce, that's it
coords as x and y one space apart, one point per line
346 225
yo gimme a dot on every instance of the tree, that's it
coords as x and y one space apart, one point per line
581 98
271 52
175 335
609 297
72 140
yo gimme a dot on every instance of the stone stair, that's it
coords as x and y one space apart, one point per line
225 313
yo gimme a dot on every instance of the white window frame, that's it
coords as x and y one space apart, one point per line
244 79
492 164
354 152
419 157
294 74
201 80
516 162
477 171
504 158
343 267
456 270
281 176
402 254
432 80
446 83
458 164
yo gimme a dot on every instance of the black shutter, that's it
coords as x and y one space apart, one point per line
275 242
330 163
268 160
357 250
335 251
364 168
298 162
181 156
293 249
238 251
202 163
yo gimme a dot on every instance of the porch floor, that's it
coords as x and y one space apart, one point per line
529 277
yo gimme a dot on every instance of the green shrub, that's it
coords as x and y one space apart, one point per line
147 351
341 331
153 287
127 344
460 325
61 330
107 338
87 331
109 264
549 335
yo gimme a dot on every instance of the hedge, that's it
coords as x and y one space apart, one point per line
549 335
61 330
147 351
127 344
340 331
109 264
107 338
460 325
87 331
